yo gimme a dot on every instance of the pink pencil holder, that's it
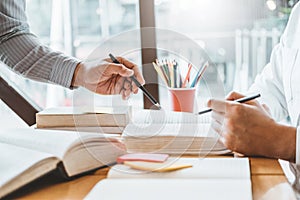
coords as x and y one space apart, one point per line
182 99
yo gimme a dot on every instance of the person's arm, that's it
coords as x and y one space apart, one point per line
248 128
23 52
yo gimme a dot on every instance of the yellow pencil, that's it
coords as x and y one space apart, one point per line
171 74
160 73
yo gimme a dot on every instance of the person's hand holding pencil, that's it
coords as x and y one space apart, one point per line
247 128
105 77
138 83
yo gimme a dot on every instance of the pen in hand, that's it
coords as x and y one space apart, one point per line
241 100
138 84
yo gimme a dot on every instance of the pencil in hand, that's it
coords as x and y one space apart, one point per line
139 85
241 100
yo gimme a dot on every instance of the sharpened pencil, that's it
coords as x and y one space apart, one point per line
137 83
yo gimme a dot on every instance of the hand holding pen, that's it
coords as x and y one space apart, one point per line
107 78
249 129
218 104
138 84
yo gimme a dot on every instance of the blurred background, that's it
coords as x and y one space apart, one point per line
237 35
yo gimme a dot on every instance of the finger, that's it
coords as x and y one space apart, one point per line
127 84
118 69
123 94
117 85
218 105
238 155
126 62
135 68
234 96
132 87
127 93
218 116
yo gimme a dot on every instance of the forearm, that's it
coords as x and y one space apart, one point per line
28 57
22 51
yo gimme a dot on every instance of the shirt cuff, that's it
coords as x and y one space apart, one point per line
63 71
298 146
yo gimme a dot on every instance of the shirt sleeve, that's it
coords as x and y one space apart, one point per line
23 52
270 81
269 84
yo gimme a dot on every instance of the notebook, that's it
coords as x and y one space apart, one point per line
209 178
174 133
27 154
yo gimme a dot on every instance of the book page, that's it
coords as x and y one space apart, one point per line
19 166
85 110
175 130
204 168
191 189
50 141
166 117
78 151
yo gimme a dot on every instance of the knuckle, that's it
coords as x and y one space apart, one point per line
232 93
109 66
209 102
123 70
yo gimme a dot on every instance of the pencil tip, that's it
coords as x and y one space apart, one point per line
158 106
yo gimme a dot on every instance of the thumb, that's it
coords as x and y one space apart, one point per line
119 69
233 96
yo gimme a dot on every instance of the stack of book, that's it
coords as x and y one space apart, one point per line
98 119
172 133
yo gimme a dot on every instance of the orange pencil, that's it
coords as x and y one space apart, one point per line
187 76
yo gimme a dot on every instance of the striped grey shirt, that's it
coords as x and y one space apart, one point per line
22 51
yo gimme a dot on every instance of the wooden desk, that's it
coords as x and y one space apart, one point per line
268 181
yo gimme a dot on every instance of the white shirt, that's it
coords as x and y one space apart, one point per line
279 83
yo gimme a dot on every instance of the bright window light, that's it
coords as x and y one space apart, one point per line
271 4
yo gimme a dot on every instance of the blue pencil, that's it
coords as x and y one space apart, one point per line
199 74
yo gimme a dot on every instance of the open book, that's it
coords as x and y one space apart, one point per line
209 178
155 131
27 154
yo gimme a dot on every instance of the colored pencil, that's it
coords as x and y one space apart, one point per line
160 73
187 76
199 74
